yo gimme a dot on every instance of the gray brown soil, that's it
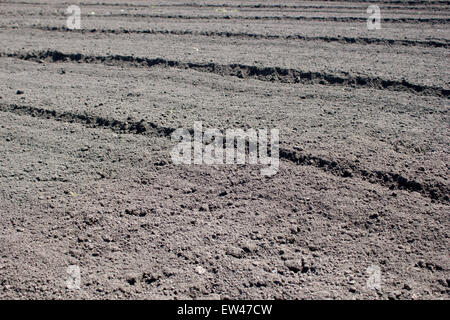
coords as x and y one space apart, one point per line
87 178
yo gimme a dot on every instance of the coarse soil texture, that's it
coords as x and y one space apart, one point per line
87 179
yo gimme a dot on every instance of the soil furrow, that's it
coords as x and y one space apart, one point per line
136 127
276 18
271 74
393 181
240 17
345 40
409 5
